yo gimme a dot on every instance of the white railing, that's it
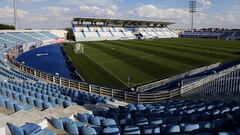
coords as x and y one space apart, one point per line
224 82
157 84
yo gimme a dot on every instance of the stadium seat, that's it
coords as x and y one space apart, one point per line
87 131
111 131
95 121
71 128
109 122
15 130
82 117
151 130
131 130
56 123
171 129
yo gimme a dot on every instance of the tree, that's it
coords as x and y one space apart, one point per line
70 34
6 27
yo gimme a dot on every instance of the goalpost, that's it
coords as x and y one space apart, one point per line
79 48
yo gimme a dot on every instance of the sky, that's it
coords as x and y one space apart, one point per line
57 14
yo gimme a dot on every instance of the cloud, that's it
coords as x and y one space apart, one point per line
89 2
99 11
151 11
7 13
230 18
30 1
56 11
204 4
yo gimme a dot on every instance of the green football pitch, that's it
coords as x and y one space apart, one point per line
129 63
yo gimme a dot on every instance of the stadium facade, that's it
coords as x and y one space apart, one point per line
34 102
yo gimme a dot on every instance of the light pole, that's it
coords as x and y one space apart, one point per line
192 10
15 14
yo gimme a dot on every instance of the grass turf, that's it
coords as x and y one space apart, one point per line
111 63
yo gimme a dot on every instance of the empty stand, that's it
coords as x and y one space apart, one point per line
88 29
183 116
20 38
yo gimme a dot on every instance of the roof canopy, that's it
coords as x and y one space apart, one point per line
94 21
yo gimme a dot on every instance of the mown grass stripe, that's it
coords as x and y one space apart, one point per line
201 52
141 64
189 58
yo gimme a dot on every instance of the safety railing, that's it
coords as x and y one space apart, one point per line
134 97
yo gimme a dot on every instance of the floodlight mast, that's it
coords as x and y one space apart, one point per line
15 14
192 10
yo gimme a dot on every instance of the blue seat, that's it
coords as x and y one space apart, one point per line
15 130
98 129
38 103
15 96
31 93
23 98
151 130
2 102
94 121
71 128
111 131
52 99
30 101
9 94
82 118
38 95
31 128
9 105
3 92
141 121
87 131
171 128
156 121
109 122
59 101
66 103
45 97
131 130
189 127
56 123
17 107
45 105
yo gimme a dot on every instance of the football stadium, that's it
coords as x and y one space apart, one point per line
119 73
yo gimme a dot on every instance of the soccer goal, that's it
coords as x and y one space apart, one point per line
79 48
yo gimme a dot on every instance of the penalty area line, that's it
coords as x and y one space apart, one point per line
107 70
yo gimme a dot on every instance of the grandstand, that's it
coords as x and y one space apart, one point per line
201 101
229 35
96 29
